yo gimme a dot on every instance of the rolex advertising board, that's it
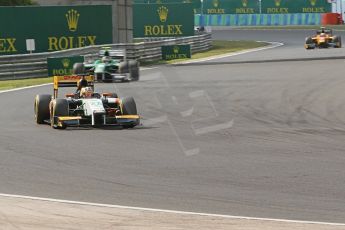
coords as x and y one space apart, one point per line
196 3
163 20
161 1
176 52
62 66
293 6
231 7
253 6
54 28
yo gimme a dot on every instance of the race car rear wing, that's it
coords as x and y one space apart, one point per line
326 31
70 81
117 54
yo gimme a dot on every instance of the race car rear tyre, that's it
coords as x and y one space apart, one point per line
134 70
78 68
59 107
41 108
114 95
107 78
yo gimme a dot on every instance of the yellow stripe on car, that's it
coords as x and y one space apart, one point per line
128 117
69 118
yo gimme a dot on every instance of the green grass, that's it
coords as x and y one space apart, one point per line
218 47
221 47
10 84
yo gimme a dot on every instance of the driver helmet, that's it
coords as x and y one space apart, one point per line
86 92
105 59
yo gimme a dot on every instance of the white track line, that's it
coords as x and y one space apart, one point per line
168 211
147 68
27 87
273 45
34 86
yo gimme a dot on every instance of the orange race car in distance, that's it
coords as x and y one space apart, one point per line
323 39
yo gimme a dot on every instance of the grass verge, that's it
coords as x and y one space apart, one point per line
11 84
218 47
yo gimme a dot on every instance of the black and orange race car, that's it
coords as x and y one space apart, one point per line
323 38
76 109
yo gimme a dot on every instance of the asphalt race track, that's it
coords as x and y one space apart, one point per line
258 139
293 48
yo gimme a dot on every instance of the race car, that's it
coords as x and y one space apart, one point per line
323 39
111 66
75 109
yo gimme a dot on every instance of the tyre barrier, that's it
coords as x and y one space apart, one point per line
258 19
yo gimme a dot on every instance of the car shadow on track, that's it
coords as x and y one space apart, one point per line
82 128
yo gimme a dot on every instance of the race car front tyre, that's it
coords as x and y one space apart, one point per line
124 67
309 44
41 108
78 68
337 41
107 77
59 108
129 108
99 77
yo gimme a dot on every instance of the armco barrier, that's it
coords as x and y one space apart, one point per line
258 19
35 65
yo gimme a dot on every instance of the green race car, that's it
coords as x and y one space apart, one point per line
111 66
